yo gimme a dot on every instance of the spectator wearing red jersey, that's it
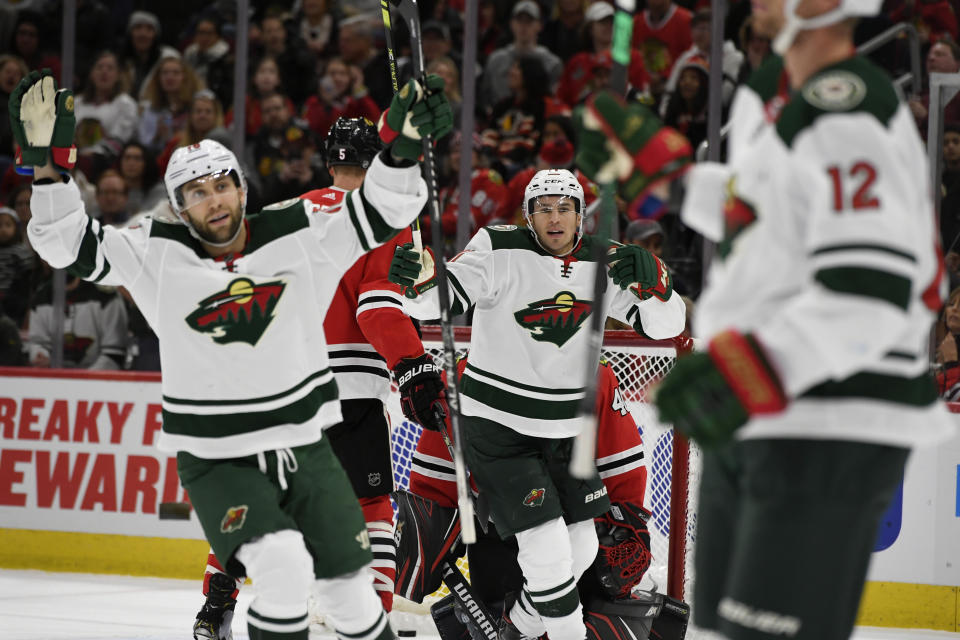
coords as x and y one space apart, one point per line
580 73
556 152
487 193
341 93
264 81
661 33
517 119
934 19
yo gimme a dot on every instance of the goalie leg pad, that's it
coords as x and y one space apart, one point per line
645 614
282 568
426 535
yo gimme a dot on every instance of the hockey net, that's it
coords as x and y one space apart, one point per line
638 363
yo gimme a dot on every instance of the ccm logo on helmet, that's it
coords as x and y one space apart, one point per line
596 495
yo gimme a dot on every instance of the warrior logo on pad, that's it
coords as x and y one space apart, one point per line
234 519
554 320
535 498
241 313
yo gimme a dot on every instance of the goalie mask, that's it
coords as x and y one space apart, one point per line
201 164
794 24
553 182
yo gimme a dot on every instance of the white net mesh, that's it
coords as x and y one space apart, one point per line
637 363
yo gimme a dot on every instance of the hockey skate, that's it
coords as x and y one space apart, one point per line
214 618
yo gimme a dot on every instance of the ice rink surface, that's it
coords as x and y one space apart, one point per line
36 605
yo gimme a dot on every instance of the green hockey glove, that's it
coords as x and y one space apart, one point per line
43 122
413 114
644 273
628 143
414 271
708 396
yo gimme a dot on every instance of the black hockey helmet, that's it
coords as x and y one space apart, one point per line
352 141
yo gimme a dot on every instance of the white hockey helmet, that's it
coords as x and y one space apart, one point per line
793 24
206 158
553 182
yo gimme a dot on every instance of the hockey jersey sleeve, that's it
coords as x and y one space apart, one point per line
380 314
67 238
653 318
471 276
871 249
389 199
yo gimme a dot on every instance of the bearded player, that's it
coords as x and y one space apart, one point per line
368 335
237 304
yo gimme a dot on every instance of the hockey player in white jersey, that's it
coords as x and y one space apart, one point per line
237 303
827 279
531 290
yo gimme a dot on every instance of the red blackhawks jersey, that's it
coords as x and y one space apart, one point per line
620 456
662 42
366 328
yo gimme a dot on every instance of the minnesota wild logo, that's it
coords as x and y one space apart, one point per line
239 314
737 216
554 319
535 497
233 519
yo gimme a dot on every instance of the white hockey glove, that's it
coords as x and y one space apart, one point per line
43 122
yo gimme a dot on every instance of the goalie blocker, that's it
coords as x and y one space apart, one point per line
428 544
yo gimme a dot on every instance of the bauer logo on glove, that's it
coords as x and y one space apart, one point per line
43 123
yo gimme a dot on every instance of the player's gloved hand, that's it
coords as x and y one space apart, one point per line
416 111
414 271
43 122
708 396
629 144
644 273
423 397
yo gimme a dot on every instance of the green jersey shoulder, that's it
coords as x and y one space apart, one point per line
852 86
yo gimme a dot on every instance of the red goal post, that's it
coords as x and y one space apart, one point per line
672 465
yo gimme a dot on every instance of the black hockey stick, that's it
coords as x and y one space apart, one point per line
394 80
410 13
463 593
582 460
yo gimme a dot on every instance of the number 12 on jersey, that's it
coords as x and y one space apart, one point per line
852 187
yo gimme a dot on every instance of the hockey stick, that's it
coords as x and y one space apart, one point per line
410 13
394 80
583 458
463 593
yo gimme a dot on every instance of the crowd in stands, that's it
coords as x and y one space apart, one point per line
150 77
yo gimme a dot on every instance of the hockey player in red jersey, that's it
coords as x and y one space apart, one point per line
624 553
368 335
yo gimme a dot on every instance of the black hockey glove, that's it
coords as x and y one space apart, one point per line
423 397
